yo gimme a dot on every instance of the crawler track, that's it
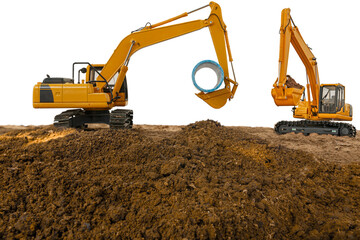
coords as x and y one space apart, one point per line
79 118
121 119
321 127
66 119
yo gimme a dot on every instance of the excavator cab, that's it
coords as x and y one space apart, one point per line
332 98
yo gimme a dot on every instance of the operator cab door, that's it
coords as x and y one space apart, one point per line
332 98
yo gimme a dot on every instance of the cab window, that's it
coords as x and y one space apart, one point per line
328 99
340 98
94 75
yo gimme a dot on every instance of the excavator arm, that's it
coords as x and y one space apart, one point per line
152 34
282 94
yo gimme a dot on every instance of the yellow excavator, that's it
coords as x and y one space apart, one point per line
105 85
324 103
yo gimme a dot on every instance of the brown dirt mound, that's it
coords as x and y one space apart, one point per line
291 83
204 181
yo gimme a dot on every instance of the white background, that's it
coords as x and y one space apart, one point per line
46 37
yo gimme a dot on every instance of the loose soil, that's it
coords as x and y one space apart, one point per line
291 83
201 181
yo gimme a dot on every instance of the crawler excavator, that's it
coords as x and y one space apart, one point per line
324 103
105 85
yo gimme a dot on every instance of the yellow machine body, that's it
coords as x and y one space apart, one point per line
333 108
70 95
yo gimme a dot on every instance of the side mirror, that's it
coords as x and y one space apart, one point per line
83 70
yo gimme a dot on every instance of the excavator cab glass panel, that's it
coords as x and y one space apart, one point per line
113 80
340 91
94 75
328 99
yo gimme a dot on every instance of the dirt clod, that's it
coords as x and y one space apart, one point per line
201 181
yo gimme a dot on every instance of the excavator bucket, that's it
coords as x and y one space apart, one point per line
288 94
284 96
216 99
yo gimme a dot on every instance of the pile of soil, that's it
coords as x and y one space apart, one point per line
291 83
201 181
